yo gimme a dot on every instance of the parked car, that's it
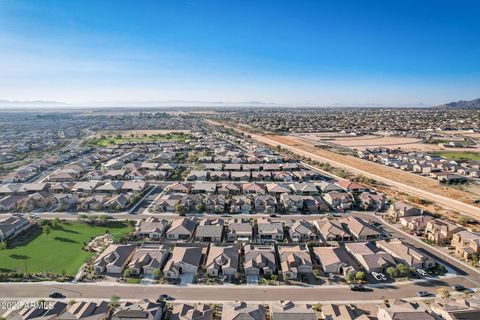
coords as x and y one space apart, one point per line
357 287
332 276
56 295
379 276
423 293
164 297
422 272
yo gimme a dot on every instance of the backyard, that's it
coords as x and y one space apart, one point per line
58 251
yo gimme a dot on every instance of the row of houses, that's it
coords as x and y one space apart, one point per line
449 309
439 168
265 198
466 244
262 230
81 195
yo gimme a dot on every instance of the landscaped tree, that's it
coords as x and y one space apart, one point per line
474 259
402 269
392 272
200 207
179 208
127 273
349 277
114 300
3 245
47 229
360 275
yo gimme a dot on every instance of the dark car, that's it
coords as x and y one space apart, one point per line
273 215
56 295
357 287
164 297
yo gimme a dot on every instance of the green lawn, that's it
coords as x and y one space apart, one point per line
107 141
459 155
60 251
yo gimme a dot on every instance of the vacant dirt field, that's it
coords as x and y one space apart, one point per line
374 141
127 133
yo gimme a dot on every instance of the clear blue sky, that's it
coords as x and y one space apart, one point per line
307 52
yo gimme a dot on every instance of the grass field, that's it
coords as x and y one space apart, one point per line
459 155
59 251
112 140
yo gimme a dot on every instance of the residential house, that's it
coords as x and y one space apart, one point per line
11 225
222 260
259 260
343 312
402 310
183 260
182 229
86 311
148 259
441 231
265 204
401 209
239 231
282 310
360 229
302 231
241 204
332 230
338 200
371 259
315 204
209 230
253 188
142 310
240 310
291 203
332 259
466 244
114 258
185 311
416 223
268 231
294 261
456 309
152 228
406 254
372 201
48 312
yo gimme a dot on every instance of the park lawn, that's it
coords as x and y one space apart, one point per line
107 141
59 251
459 155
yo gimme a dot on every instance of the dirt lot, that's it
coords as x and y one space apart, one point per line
375 141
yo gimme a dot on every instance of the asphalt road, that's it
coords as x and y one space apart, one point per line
225 293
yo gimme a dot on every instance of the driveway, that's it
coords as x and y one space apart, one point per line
187 278
252 280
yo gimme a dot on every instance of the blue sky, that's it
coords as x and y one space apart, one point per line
292 52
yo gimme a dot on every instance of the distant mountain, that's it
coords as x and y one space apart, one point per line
472 104
33 103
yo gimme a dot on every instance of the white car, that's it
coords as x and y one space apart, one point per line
422 272
384 278
377 276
